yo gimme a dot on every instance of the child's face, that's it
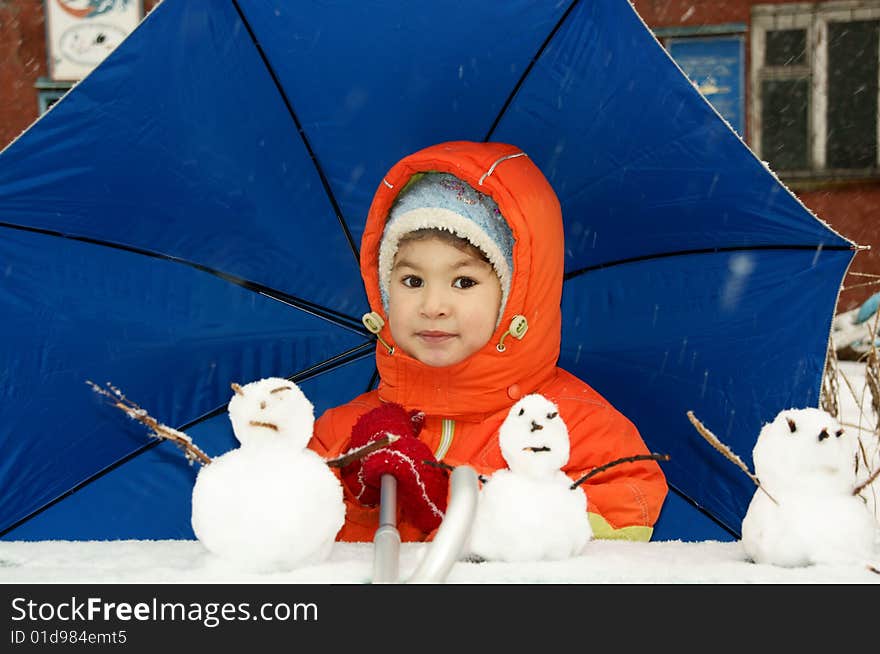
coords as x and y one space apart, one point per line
442 302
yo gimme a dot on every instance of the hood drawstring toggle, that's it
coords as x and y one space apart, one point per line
374 323
518 327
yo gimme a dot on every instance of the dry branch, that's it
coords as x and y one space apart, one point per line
860 401
713 440
439 464
616 462
448 468
160 431
872 371
192 452
593 472
360 452
872 382
830 394
870 480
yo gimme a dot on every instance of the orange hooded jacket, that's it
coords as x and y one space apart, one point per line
465 403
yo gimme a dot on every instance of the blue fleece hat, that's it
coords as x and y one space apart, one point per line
443 201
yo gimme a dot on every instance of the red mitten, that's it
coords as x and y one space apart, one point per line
421 487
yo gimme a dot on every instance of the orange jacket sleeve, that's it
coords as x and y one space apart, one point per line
625 500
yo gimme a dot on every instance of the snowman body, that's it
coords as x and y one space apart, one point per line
806 529
805 460
270 504
528 511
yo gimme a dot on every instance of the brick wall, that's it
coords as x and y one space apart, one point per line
23 59
854 212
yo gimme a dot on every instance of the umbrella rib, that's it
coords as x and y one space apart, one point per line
703 511
316 310
302 133
357 352
374 381
581 271
528 70
328 365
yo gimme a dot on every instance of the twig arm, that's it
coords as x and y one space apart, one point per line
445 466
715 442
160 431
616 462
360 452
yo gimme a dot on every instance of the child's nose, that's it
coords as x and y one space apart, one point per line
435 302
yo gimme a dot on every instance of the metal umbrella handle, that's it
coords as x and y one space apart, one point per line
449 541
386 540
453 533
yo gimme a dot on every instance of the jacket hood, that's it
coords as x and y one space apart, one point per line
493 377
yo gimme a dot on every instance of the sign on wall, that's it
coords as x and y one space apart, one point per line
81 33
715 65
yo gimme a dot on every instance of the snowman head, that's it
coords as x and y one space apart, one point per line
271 410
534 438
805 448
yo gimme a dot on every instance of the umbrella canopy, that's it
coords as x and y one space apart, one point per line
188 216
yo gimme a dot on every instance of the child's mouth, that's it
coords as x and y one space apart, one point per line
432 336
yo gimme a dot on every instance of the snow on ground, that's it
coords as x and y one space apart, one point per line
604 562
187 562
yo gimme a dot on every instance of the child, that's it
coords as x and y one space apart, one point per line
462 258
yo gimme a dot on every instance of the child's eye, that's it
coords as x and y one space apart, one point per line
464 282
412 281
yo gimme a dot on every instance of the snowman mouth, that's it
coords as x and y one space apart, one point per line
267 425
540 448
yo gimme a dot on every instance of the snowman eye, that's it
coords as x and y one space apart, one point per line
521 411
791 425
823 435
550 416
838 433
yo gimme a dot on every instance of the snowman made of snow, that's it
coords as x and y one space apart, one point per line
804 511
270 504
528 511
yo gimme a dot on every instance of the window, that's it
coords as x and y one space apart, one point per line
47 98
814 88
715 65
49 92
712 56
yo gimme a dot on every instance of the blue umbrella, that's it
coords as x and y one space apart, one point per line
188 216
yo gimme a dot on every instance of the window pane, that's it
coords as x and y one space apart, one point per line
852 94
786 48
784 123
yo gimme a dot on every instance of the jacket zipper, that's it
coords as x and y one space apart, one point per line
447 432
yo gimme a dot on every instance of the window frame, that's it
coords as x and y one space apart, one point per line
49 92
814 17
